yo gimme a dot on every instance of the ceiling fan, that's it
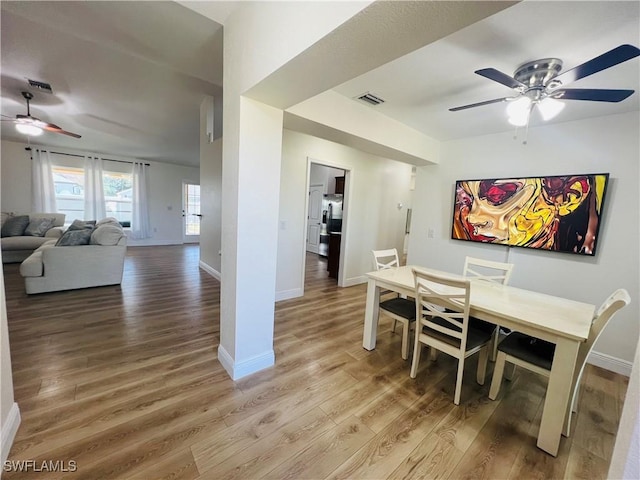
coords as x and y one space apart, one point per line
34 126
540 83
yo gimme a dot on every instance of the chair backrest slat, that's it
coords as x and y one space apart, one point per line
487 270
607 310
383 259
444 297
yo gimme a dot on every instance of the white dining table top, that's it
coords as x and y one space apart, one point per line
554 315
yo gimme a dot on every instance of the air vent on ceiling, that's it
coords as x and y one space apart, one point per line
370 98
42 86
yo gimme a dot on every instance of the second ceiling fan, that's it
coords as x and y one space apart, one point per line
30 125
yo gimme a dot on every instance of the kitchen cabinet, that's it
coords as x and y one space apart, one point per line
340 185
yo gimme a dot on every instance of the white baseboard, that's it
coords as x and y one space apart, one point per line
610 363
350 282
210 270
288 294
237 370
9 430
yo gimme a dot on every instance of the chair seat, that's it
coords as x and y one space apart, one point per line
481 325
530 349
400 306
475 337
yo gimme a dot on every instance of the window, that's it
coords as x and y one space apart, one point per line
118 193
69 188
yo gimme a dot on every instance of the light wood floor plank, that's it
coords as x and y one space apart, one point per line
125 381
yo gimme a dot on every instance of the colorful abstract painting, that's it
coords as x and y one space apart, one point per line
558 213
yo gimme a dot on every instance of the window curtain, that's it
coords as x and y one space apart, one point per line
42 187
140 225
94 202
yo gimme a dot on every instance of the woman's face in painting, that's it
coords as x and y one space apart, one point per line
495 205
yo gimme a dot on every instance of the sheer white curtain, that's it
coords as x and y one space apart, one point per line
42 188
94 203
140 225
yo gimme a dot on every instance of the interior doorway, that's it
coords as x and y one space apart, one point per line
326 212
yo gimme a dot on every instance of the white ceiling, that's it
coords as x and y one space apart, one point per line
130 76
420 87
127 76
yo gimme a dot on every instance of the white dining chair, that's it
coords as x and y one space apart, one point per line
536 355
447 330
487 271
399 309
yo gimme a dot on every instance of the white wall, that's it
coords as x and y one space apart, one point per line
165 190
210 199
602 144
373 219
9 412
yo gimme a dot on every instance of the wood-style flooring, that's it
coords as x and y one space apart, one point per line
124 381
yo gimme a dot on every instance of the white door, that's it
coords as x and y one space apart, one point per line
190 213
314 218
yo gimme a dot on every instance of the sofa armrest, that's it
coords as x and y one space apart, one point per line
83 257
54 232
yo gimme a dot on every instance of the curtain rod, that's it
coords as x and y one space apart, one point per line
82 156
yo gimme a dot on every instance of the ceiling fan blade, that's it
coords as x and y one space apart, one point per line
479 104
609 59
498 76
593 94
50 127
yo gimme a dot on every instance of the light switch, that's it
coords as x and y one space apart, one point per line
430 233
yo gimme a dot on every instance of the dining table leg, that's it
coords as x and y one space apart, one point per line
371 313
558 395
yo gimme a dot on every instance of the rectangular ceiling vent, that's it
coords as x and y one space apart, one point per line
42 86
370 98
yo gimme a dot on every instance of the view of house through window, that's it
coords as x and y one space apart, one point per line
69 188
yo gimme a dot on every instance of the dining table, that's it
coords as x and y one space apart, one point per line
562 321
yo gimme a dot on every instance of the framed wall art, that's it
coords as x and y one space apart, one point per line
559 213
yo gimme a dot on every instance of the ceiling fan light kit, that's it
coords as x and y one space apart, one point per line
540 85
27 129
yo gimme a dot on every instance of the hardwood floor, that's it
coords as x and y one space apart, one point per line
124 382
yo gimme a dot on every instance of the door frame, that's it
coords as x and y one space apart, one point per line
346 201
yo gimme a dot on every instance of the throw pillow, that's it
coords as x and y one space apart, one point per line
74 237
107 234
38 227
15 226
82 225
5 216
108 220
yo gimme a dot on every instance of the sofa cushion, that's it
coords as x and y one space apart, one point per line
32 266
74 237
58 218
14 226
108 220
107 234
82 225
22 243
4 217
38 227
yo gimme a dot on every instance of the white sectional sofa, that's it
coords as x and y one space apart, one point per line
16 248
55 267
